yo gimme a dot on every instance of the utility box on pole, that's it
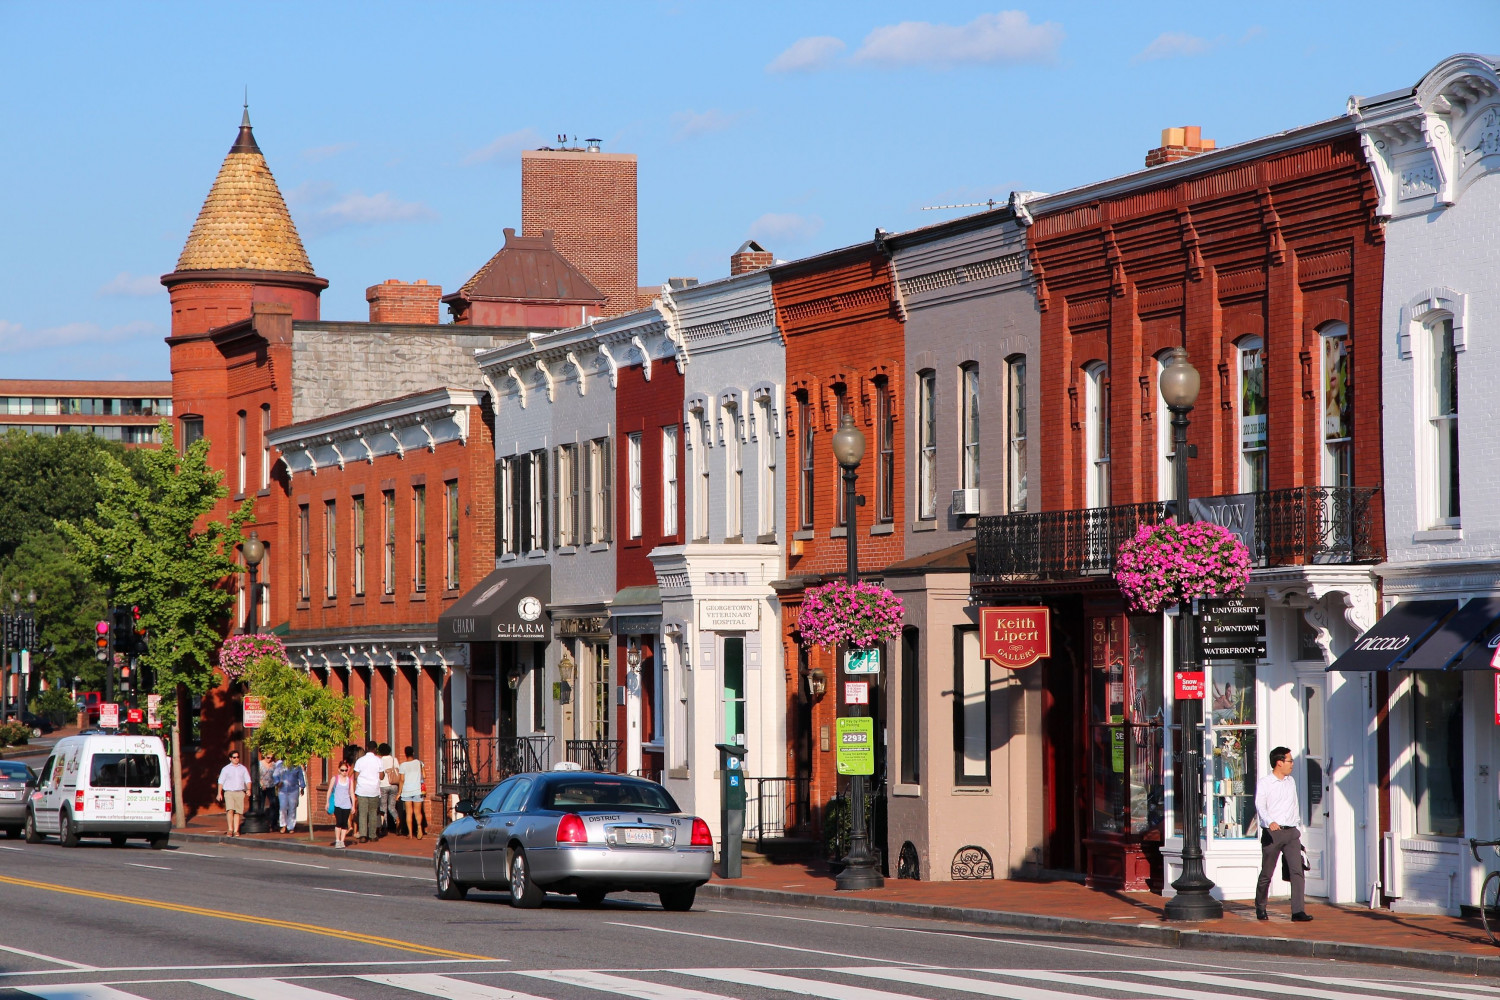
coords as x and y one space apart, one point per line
731 807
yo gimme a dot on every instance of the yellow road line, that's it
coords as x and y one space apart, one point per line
342 935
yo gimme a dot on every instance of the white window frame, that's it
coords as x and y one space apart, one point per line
669 513
734 473
1328 450
633 471
265 446
1432 426
1016 481
1096 435
331 547
970 424
243 430
1166 488
927 445
766 440
1248 456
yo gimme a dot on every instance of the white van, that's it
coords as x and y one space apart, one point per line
103 786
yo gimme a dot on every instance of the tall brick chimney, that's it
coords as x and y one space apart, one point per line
751 256
1178 144
588 199
395 301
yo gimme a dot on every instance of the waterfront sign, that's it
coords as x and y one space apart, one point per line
1232 628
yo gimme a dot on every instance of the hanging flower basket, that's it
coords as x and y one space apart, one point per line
860 616
1167 563
239 651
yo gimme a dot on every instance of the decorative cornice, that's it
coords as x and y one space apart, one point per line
424 420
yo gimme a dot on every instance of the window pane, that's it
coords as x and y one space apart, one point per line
926 447
1015 474
734 690
973 716
971 427
1437 721
1252 417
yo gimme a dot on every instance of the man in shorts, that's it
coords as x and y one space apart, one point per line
234 788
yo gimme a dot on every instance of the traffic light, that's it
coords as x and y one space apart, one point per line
101 642
123 629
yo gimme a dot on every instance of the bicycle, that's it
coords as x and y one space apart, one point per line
1489 892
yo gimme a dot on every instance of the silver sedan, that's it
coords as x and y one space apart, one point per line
17 782
578 832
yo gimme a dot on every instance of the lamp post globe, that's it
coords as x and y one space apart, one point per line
1179 381
848 442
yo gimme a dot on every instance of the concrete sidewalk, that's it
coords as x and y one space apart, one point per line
1353 933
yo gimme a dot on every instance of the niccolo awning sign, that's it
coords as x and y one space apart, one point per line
1395 637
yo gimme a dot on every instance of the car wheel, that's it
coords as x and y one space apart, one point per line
67 833
591 898
33 835
36 730
524 893
158 840
447 888
678 899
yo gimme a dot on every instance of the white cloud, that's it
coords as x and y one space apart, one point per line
1005 38
504 147
325 209
131 285
785 227
15 338
1174 45
318 154
686 124
807 54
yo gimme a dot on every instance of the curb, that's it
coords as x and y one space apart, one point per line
292 847
1163 937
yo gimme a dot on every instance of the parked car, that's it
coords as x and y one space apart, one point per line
88 704
17 782
578 832
40 724
103 786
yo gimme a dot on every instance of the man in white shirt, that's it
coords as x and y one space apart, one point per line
367 792
234 786
1276 804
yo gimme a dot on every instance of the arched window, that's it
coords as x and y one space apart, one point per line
1166 488
1250 413
1096 435
1439 402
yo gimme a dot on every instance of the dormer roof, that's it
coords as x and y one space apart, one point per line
244 223
528 268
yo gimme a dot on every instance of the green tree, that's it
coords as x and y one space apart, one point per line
303 719
47 478
149 539
69 601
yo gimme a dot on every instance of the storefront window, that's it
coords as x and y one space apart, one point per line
1438 729
1232 745
1125 723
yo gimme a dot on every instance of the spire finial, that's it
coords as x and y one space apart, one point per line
245 141
245 118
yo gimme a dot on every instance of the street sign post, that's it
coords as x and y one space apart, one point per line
109 715
1232 628
862 661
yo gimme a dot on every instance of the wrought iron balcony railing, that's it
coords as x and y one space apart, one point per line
473 765
596 755
1300 526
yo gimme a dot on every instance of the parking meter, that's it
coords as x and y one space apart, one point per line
731 807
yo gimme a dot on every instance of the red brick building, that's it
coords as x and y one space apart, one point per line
587 199
845 351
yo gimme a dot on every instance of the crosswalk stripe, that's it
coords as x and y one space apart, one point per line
790 984
432 985
639 988
81 991
984 987
265 989
1279 988
1110 984
1418 989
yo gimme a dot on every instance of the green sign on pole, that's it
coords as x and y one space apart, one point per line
862 661
856 746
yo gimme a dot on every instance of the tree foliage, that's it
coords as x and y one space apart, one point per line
50 478
68 603
303 719
149 539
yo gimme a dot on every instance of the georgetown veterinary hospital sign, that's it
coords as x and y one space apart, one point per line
1015 637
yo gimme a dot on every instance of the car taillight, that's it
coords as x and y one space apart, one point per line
169 800
701 836
570 830
78 801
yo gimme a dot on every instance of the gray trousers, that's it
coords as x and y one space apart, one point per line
369 815
1274 846
389 795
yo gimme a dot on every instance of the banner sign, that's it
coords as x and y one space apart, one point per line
255 715
1189 684
1232 628
1236 513
1015 637
153 711
856 745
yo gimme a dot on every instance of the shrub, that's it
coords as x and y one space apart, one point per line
13 734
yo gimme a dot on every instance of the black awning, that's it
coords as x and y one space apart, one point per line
1482 650
508 604
1445 647
1395 637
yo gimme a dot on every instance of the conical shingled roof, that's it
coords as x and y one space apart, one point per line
244 222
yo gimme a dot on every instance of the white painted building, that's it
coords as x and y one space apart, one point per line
1435 153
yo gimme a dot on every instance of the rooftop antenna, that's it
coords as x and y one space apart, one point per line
245 118
968 204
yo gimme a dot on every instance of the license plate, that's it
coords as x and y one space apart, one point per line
10 795
101 802
640 837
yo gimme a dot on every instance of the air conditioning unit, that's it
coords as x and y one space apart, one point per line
966 503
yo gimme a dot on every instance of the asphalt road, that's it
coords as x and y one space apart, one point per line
103 923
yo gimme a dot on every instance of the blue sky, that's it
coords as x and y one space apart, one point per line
394 130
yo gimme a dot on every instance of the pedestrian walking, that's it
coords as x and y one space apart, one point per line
266 804
1276 805
390 790
413 785
341 802
234 788
290 780
367 792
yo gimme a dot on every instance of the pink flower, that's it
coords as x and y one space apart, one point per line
861 615
1165 563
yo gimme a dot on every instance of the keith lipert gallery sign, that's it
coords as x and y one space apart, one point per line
1015 637
1235 512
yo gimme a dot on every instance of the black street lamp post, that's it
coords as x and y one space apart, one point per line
1194 900
859 864
255 819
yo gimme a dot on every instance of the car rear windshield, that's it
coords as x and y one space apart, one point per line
11 770
125 770
603 793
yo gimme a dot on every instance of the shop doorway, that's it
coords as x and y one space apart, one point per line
1312 779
